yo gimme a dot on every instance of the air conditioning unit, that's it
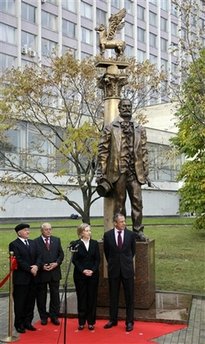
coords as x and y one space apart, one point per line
31 52
24 50
43 1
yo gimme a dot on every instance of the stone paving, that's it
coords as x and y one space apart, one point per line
193 334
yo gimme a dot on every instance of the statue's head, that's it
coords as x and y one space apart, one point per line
125 109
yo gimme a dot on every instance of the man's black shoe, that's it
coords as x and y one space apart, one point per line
55 321
30 327
110 324
129 327
44 321
20 330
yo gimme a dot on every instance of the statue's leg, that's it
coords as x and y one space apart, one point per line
135 195
119 195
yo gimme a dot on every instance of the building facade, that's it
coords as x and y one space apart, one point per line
31 30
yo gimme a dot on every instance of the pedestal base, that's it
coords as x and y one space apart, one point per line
144 277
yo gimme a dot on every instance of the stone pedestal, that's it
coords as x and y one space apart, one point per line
144 277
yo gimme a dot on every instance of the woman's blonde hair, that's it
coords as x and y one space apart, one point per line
81 228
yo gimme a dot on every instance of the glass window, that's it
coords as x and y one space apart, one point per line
129 50
173 9
101 16
48 47
115 3
28 12
129 6
141 35
129 29
141 55
174 29
85 55
152 40
164 64
86 10
7 33
152 18
70 50
70 5
86 36
28 40
49 21
164 44
10 148
154 2
6 61
69 28
153 59
164 5
163 24
140 12
7 6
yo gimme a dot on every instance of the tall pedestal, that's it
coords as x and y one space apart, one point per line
144 277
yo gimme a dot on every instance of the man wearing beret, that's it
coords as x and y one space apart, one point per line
24 287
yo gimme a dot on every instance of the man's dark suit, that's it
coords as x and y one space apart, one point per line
120 269
51 278
86 287
24 287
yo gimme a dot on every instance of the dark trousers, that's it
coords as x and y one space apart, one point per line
114 291
24 302
86 290
41 298
133 187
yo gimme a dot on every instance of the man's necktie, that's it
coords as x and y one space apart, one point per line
26 242
47 243
119 240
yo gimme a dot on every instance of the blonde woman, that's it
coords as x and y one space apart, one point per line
86 262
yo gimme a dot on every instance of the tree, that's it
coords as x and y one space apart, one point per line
190 139
64 109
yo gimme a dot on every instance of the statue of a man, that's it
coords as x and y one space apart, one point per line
123 164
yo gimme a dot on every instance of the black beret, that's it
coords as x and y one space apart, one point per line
21 226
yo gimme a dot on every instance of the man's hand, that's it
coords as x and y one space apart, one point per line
34 269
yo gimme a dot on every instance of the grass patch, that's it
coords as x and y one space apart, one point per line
179 251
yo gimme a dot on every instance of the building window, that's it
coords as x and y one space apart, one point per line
140 12
129 50
141 35
129 29
141 55
101 16
115 3
174 29
7 6
69 50
152 18
85 55
7 33
48 47
69 28
174 9
164 4
164 44
153 59
49 21
164 65
6 61
28 12
86 36
10 148
70 5
163 24
129 6
86 10
154 2
153 40
28 40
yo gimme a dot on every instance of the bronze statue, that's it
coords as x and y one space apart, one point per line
106 36
123 164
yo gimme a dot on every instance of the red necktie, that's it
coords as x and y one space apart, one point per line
47 243
119 240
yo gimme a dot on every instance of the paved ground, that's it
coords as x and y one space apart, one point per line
193 334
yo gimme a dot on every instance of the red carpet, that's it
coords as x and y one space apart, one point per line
144 332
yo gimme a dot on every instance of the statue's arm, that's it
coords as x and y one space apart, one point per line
144 152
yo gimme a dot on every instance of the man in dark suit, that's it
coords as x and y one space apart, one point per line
49 275
123 163
119 248
24 287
